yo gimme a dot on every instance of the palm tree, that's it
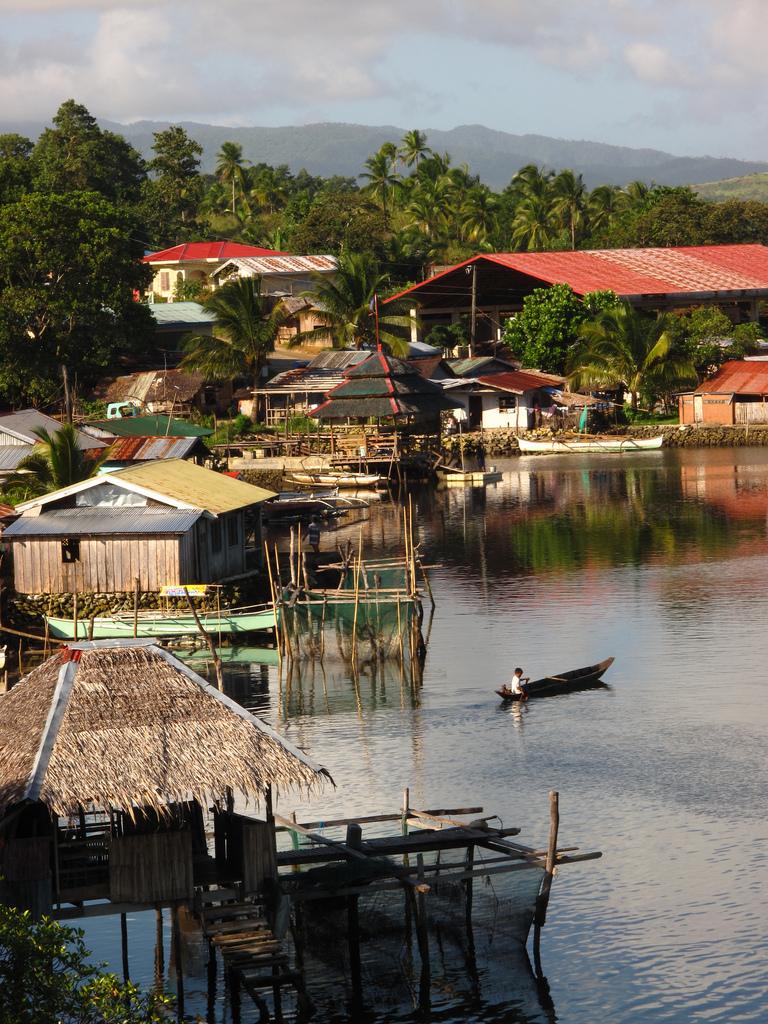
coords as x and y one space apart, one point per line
569 197
478 214
621 345
381 174
346 302
247 325
414 148
532 224
604 202
56 461
230 167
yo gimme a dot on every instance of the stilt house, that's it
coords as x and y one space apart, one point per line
115 760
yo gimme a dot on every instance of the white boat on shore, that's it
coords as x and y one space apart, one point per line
608 443
330 478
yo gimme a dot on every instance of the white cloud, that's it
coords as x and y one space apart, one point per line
655 64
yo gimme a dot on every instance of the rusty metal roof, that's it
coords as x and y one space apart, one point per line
737 377
148 449
518 381
268 264
82 522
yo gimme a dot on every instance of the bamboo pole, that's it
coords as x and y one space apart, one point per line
208 639
136 585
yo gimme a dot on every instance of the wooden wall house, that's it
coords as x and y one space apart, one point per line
737 395
161 523
111 754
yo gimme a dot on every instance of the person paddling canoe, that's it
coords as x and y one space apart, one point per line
517 684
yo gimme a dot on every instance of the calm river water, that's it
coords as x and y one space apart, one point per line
660 560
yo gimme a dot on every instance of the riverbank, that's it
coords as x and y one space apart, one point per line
500 442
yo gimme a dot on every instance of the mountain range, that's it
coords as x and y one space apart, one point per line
333 148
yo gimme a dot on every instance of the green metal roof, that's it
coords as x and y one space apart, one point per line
201 488
152 426
181 314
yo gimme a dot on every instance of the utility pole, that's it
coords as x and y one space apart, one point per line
473 315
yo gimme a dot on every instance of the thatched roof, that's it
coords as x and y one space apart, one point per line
383 387
124 724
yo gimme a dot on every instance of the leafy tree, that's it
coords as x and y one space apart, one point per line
342 222
75 155
15 167
665 217
69 265
56 461
176 169
709 337
247 325
46 976
541 335
622 345
448 336
347 299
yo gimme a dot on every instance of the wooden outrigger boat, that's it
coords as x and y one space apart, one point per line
252 619
565 682
292 506
607 444
341 478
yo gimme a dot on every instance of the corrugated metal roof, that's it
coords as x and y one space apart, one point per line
280 263
12 454
155 386
305 378
339 359
81 522
742 377
194 485
22 423
181 314
631 272
150 426
518 381
147 449
471 366
191 251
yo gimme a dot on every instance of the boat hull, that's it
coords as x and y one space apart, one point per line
566 682
612 445
112 627
347 481
476 479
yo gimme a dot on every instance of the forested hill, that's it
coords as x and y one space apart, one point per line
329 149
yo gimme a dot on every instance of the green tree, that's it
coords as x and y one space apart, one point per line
176 169
346 300
56 461
75 155
230 167
414 148
15 167
342 222
381 175
709 337
69 266
532 226
247 325
541 335
623 346
46 976
569 201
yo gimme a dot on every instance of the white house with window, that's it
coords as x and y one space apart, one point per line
517 400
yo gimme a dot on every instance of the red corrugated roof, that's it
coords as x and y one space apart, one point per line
208 251
737 377
635 272
519 381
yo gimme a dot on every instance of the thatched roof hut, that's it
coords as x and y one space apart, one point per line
112 724
382 387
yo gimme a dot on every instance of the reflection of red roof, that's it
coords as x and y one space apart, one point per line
739 377
634 272
207 251
519 381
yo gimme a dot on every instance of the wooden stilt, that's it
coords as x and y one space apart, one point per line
124 946
542 900
176 940
159 949
422 935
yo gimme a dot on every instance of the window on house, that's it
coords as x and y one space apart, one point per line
70 550
216 537
507 403
233 531
165 281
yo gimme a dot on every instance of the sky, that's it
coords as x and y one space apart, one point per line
686 76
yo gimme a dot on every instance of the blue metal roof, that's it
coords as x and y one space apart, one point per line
114 521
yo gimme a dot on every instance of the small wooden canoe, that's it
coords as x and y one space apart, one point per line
563 682
597 443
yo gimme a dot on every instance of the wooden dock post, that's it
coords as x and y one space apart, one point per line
159 948
422 936
354 841
176 948
136 586
542 900
124 946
